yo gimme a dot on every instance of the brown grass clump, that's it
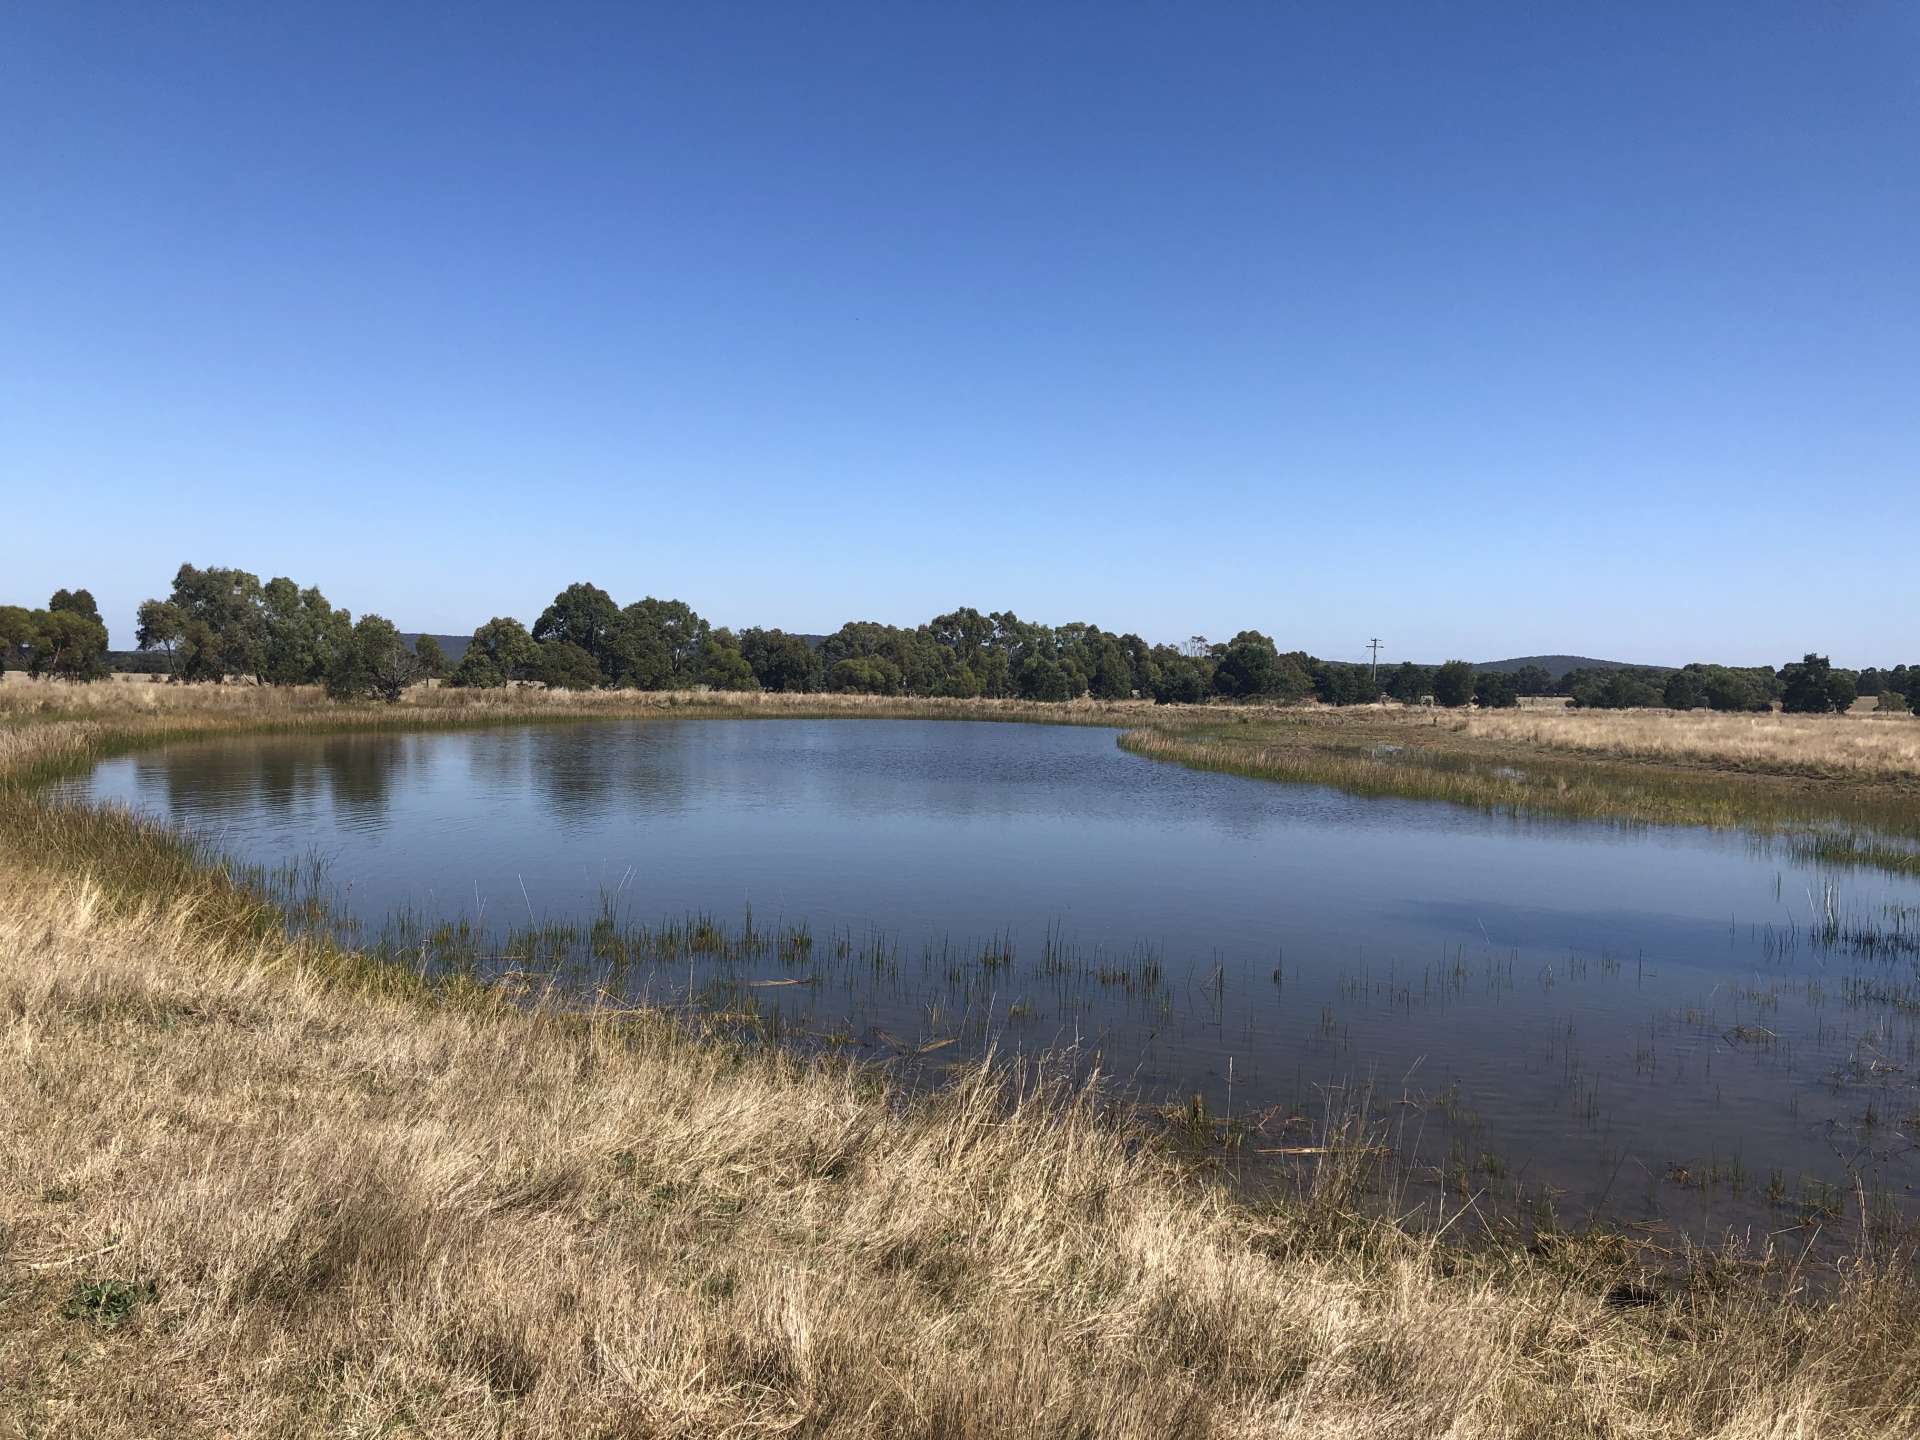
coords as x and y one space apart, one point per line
239 1197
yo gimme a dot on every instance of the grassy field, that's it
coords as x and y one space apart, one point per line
254 1186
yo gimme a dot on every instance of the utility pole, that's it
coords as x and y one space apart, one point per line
1374 646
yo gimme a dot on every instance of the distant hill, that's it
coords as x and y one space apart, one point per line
1558 665
452 646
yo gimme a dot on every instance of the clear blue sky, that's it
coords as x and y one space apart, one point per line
1486 329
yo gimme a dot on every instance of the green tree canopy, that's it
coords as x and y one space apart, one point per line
1811 686
562 665
581 615
1248 667
724 667
1685 690
865 675
780 661
1041 678
433 660
500 652
17 632
373 662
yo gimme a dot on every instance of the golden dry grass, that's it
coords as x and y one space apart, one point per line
364 1216
1860 746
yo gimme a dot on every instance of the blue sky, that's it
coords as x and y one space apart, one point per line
1489 330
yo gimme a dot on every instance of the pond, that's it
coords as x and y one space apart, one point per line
1674 1027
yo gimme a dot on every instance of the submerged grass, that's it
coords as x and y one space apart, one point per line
254 1184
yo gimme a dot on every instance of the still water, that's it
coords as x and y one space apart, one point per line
1673 1026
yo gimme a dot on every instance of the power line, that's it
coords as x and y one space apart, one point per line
1374 646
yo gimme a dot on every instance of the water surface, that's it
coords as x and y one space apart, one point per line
1669 1024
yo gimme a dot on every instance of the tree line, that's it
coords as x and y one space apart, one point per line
218 624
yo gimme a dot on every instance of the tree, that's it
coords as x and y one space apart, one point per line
1811 686
1684 690
865 675
724 667
1409 683
300 634
562 665
1453 684
1341 684
218 624
1842 690
1248 667
67 638
158 626
76 602
780 661
500 652
374 661
958 684
1615 690
1733 690
1495 690
658 645
1041 678
1111 677
1891 701
1182 679
1533 680
433 660
584 616
17 634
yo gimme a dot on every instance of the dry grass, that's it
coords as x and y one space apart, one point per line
331 1213
1862 746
